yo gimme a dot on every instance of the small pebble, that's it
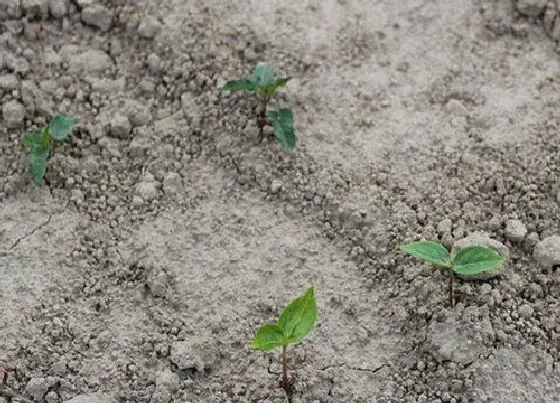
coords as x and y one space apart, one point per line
13 114
149 27
547 252
525 311
444 226
276 186
515 230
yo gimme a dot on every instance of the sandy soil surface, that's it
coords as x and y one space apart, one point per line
166 233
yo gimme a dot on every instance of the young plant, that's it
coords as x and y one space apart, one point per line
263 83
469 261
295 322
41 144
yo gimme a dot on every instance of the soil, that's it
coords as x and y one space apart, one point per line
166 233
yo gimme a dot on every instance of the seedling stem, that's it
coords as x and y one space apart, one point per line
287 384
451 292
262 120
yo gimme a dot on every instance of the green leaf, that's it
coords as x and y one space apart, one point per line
474 260
262 76
61 127
239 85
267 338
283 122
298 318
35 138
270 89
39 157
430 251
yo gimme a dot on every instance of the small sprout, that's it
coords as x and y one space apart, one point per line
469 261
263 82
41 143
295 322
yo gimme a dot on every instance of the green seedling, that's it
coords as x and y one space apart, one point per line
469 261
295 322
41 143
263 83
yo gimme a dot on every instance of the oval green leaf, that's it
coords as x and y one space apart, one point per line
298 318
262 76
61 127
267 338
239 85
430 251
283 123
474 260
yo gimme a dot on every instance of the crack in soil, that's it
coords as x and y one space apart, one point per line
372 371
40 226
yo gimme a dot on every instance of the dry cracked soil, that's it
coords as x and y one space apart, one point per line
166 233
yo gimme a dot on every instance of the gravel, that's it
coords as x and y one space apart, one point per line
13 113
532 8
149 27
91 398
120 127
515 230
97 16
547 252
